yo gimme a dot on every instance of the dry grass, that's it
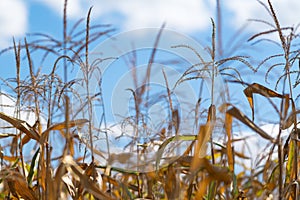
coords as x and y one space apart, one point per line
42 173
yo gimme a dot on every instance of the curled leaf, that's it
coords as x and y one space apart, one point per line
17 185
85 181
61 126
256 88
290 120
21 125
245 120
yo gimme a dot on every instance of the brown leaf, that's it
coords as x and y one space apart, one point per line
201 145
244 119
85 181
21 125
211 118
223 150
58 180
256 88
69 184
175 120
14 145
221 174
5 135
171 184
228 126
217 173
17 185
290 120
10 158
61 126
202 187
286 104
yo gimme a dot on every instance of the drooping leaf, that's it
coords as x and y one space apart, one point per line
256 88
202 186
18 185
245 120
172 185
217 173
61 126
85 181
10 158
21 125
211 118
69 184
293 158
200 148
228 127
175 120
290 120
286 104
162 147
5 135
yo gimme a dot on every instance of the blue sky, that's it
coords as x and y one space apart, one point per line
190 18
20 17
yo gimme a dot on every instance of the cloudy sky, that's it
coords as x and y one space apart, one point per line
18 17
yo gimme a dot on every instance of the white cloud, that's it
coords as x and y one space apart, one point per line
13 20
74 8
287 12
182 15
186 16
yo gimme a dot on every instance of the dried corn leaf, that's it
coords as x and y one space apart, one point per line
215 173
290 120
286 104
211 118
228 128
171 183
202 187
61 126
18 185
162 147
58 179
5 135
202 139
70 186
292 155
42 166
223 150
175 120
241 155
10 158
201 147
85 181
92 171
14 145
244 119
21 125
25 139
218 173
256 88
